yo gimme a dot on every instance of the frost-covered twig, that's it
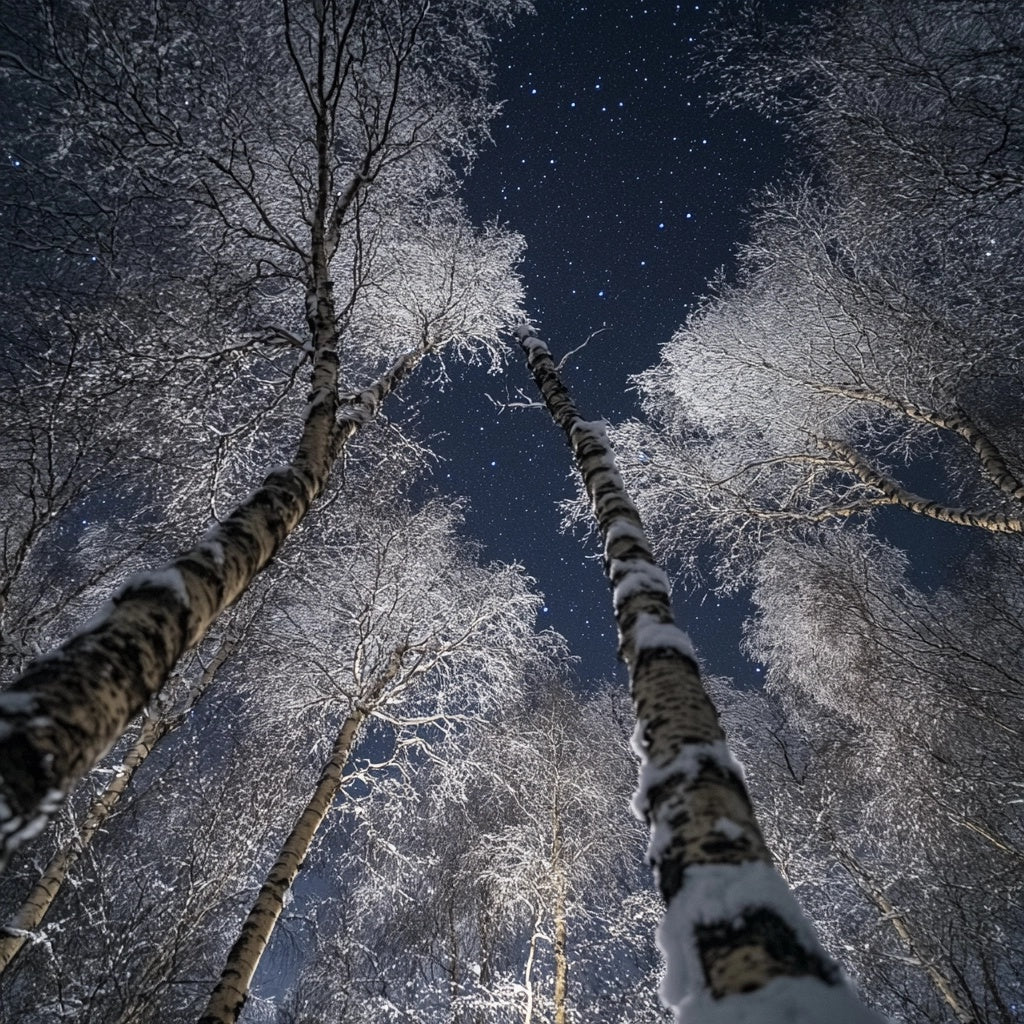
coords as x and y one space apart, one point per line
564 361
736 945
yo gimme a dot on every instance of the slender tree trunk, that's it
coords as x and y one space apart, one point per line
229 996
942 985
728 913
453 965
528 970
559 944
31 913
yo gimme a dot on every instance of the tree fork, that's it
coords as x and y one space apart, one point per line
731 929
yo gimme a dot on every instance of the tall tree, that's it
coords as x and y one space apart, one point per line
868 350
396 623
336 205
503 880
734 938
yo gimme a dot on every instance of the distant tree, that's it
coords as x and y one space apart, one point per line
799 396
394 621
311 185
501 881
564 852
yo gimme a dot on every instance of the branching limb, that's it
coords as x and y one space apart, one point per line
993 463
993 522
563 362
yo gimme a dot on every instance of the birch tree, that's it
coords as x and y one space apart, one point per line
504 883
867 357
563 853
312 215
397 624
734 939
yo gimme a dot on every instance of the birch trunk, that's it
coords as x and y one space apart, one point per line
559 941
65 711
29 916
731 926
942 985
232 990
528 970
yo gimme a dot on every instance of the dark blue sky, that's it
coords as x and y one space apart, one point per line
630 193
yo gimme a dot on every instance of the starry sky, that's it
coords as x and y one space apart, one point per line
630 192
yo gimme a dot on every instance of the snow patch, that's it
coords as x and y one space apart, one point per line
210 544
636 576
726 892
651 635
728 828
161 579
623 529
781 1001
686 765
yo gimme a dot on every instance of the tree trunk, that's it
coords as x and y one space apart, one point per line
30 914
528 970
232 990
66 710
942 985
727 912
559 943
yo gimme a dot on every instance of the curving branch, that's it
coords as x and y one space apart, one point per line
994 522
993 463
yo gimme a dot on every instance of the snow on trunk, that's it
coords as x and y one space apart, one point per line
737 947
65 711
24 924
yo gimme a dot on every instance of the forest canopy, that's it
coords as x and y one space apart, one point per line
281 743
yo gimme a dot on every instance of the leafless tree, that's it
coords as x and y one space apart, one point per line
316 171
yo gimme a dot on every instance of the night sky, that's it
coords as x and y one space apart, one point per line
630 193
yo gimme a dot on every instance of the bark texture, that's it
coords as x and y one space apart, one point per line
692 794
30 915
